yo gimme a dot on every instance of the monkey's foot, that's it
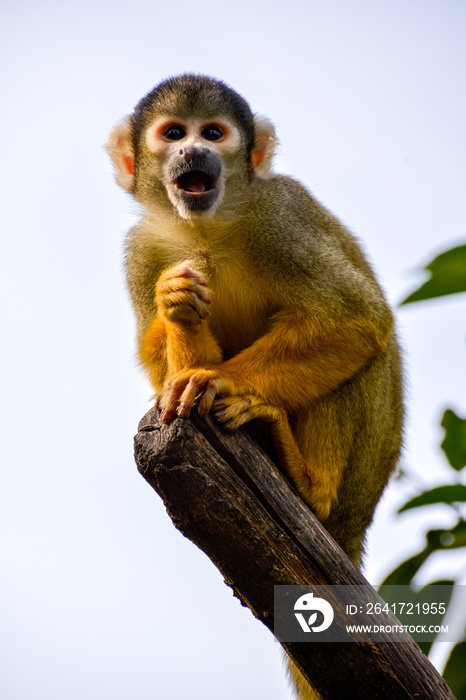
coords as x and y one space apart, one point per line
237 410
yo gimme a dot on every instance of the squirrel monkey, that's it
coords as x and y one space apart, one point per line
249 294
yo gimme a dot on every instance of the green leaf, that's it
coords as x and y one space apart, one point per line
436 540
454 444
454 493
405 572
447 276
455 671
447 539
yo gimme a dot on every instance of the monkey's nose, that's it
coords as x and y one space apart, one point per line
187 153
190 153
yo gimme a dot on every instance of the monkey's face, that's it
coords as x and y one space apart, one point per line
192 145
192 159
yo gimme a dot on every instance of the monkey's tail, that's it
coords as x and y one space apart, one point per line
301 687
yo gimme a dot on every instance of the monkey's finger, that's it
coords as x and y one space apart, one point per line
183 410
219 404
203 293
188 397
184 307
207 398
216 385
240 420
182 284
184 269
191 272
236 411
189 302
179 278
181 291
230 409
167 415
221 416
171 400
188 268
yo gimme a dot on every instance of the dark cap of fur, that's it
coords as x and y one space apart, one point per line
193 95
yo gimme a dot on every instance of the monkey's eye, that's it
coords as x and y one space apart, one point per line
212 133
175 133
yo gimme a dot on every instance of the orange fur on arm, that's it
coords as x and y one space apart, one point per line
294 363
167 348
190 346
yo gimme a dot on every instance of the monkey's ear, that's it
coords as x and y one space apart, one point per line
265 143
120 149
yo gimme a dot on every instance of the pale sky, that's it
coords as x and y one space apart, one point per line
100 596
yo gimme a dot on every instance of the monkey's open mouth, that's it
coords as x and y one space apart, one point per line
195 182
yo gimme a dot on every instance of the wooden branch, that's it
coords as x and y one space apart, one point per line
225 494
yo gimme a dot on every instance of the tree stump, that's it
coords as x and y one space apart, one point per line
224 493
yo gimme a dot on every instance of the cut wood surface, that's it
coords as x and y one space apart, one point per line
225 494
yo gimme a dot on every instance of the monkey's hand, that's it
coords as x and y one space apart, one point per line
182 296
179 336
185 387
